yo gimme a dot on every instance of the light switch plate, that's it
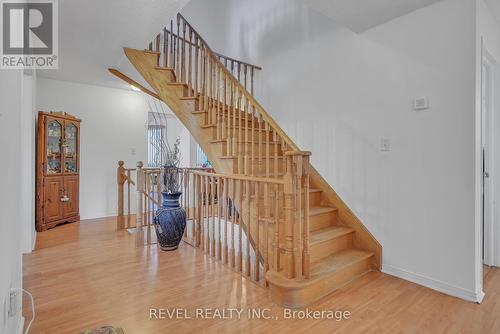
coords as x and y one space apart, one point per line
421 103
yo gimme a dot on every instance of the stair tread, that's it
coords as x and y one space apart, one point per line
272 195
232 127
255 158
317 210
164 68
328 233
216 141
241 115
338 261
271 175
152 52
179 84
313 211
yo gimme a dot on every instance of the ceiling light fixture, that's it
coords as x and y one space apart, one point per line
135 88
134 84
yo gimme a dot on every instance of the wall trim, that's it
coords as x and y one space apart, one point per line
20 325
34 241
434 284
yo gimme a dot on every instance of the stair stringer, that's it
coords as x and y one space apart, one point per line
146 63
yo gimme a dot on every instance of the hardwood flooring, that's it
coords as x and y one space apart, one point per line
86 275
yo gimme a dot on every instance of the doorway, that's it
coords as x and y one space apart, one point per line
489 155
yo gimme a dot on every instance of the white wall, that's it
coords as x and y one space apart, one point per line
10 193
338 94
28 159
442 37
114 124
488 45
496 205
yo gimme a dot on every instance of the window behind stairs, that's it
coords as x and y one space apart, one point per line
156 135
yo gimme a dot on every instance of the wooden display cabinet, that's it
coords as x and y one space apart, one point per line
57 169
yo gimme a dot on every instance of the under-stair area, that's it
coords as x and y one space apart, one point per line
314 243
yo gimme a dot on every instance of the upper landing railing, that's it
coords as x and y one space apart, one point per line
218 89
170 44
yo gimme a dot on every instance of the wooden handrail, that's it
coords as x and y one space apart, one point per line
220 55
174 54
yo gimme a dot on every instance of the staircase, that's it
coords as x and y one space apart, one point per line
319 244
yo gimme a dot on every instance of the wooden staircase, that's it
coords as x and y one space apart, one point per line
331 247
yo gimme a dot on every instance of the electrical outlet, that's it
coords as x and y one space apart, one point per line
133 151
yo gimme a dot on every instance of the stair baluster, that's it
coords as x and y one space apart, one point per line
239 201
190 63
232 215
255 219
248 231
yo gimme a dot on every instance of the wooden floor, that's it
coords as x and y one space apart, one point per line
87 275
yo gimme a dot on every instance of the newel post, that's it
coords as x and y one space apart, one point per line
296 192
120 179
139 236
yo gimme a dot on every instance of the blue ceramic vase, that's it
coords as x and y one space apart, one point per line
170 222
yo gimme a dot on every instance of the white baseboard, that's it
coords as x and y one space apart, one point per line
34 241
20 325
433 284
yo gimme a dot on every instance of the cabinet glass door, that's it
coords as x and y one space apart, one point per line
70 148
54 136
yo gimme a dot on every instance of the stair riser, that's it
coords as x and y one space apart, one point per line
248 147
222 110
169 74
298 298
258 167
190 104
184 90
236 134
180 90
213 118
329 247
322 220
271 197
315 198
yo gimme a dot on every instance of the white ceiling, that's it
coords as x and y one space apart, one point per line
361 15
92 34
